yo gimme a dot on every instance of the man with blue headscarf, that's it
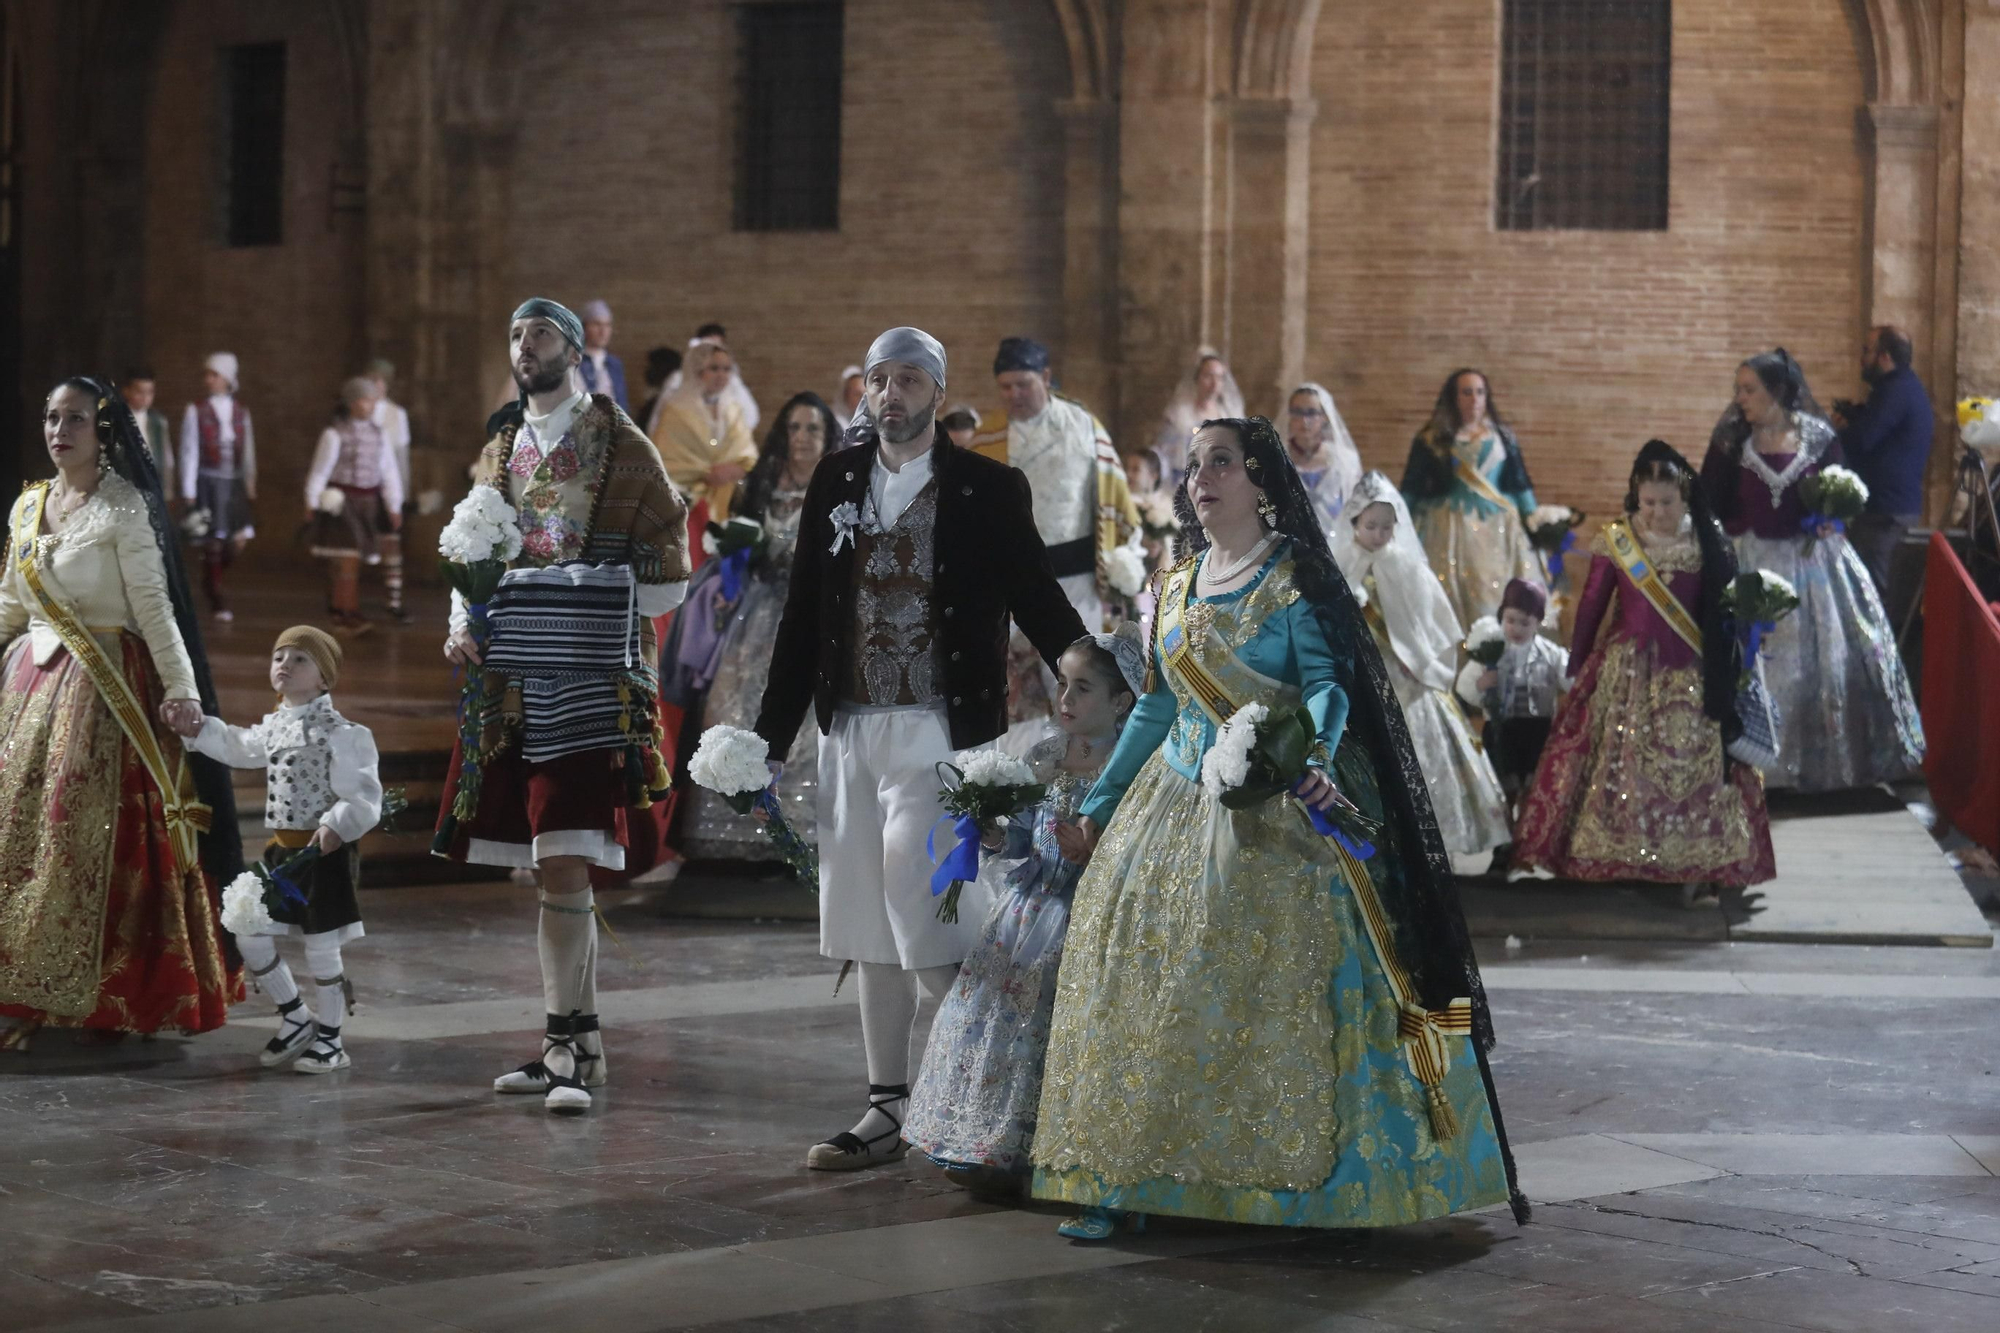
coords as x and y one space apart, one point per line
912 555
570 741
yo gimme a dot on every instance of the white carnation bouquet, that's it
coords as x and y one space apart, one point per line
1486 641
730 762
332 502
250 901
1125 570
1156 515
1552 531
1258 754
483 535
1836 495
982 786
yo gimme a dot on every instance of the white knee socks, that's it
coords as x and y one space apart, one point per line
567 943
330 982
260 957
888 1021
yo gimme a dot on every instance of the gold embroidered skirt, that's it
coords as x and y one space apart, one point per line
99 927
1225 1042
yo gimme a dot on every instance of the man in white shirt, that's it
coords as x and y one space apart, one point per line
912 554
218 473
590 495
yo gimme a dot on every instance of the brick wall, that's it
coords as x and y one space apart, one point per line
950 207
293 312
1594 341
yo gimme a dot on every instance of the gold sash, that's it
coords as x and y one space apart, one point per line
1475 481
1423 1031
187 819
1631 558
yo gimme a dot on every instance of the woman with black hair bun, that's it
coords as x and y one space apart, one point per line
1255 1022
1845 712
1634 783
718 653
1469 493
113 841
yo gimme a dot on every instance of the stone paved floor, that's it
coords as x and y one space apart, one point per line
1719 1137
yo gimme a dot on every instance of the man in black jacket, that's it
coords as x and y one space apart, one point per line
912 555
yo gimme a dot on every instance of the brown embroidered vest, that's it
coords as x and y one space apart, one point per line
894 656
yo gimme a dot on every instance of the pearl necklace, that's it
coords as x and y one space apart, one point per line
1217 578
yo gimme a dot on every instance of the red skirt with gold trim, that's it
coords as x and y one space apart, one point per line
99 927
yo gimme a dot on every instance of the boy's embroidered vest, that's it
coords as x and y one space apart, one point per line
213 457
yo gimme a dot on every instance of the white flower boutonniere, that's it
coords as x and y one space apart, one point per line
846 517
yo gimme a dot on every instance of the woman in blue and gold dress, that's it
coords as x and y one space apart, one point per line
1252 1025
1468 490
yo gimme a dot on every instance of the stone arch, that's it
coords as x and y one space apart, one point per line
1901 52
1273 42
1090 31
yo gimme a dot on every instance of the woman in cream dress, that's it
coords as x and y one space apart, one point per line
112 840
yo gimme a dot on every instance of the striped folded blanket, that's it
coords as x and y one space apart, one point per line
563 657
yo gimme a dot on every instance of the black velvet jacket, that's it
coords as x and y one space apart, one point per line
990 566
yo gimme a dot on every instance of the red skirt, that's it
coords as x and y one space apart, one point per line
1632 785
99 926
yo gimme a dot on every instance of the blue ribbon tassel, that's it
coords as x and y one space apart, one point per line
962 862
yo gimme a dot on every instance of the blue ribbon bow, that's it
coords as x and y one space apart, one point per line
734 566
962 862
1809 524
1563 548
1326 828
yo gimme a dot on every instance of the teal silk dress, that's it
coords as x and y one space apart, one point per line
1227 1041
1476 542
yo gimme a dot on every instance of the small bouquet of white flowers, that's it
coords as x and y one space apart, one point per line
332 502
1979 422
1757 600
1485 642
1835 496
1125 571
984 785
196 524
1259 754
1157 517
249 901
730 762
1552 531
483 535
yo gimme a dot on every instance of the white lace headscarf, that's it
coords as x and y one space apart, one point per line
1344 469
1423 630
1184 411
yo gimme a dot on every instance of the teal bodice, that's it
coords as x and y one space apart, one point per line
1263 642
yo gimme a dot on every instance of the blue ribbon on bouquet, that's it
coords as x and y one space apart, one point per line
1753 639
962 862
1326 828
1564 547
734 566
1809 524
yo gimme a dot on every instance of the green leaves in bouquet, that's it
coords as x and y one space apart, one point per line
1277 760
475 582
985 803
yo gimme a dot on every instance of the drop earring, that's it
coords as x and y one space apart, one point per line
1267 510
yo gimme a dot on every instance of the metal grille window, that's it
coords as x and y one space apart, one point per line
253 156
1583 115
788 117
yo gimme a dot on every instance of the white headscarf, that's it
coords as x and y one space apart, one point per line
1184 415
1424 632
1343 470
223 364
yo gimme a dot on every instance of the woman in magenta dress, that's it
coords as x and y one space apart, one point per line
1634 783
